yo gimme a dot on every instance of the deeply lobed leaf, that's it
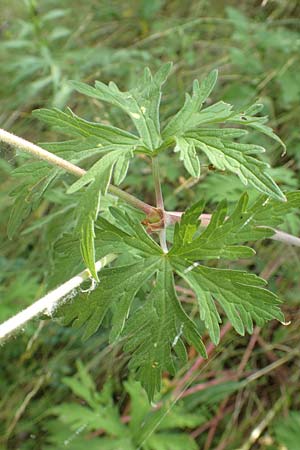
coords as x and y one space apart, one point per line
155 328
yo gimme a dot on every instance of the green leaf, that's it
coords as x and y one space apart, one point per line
257 123
119 284
107 136
94 410
188 155
118 143
182 120
216 113
219 238
140 103
99 176
35 178
271 213
154 330
218 144
228 155
286 430
241 295
76 150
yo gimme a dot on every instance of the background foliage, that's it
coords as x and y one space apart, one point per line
49 379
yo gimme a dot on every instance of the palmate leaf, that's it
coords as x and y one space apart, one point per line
115 292
185 128
119 284
154 329
241 295
219 239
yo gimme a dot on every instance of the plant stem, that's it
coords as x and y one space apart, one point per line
169 217
40 153
50 301
282 236
131 200
159 202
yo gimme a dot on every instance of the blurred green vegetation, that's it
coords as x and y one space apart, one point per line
255 45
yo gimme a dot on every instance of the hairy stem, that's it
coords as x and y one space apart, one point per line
50 301
40 153
159 202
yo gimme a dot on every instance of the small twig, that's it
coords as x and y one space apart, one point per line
265 370
174 216
47 303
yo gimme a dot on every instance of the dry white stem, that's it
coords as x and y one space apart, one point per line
50 301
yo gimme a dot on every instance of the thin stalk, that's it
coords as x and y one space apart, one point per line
131 200
40 153
159 202
50 301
